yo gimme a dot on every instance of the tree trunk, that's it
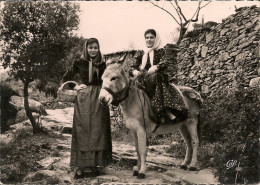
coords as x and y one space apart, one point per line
182 32
36 127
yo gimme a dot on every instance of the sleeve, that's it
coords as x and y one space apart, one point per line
137 61
163 63
71 72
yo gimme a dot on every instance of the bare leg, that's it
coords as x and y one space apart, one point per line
192 128
142 148
186 136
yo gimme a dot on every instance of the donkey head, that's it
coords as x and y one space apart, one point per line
115 82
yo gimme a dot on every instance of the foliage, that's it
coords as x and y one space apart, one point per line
230 126
118 130
34 37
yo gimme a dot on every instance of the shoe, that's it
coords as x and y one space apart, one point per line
170 115
79 174
100 170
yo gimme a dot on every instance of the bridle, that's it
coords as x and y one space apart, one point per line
116 100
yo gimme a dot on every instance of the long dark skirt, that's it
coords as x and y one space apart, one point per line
91 144
164 97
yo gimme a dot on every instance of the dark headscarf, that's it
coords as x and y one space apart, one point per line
93 63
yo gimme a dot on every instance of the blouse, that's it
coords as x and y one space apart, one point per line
82 67
159 60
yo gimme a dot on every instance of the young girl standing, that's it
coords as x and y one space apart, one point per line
91 145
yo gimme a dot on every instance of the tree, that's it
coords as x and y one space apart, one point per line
33 38
74 51
182 21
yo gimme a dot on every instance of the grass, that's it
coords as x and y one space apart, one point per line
19 157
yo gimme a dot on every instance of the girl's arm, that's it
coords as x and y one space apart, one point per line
71 72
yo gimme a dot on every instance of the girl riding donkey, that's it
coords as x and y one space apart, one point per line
166 100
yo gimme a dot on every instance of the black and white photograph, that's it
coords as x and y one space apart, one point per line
130 92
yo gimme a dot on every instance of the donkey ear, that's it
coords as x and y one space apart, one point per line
122 58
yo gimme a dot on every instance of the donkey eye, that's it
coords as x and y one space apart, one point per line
114 78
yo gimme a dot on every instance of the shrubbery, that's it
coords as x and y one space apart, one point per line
230 123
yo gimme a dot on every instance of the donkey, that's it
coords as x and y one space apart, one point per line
140 119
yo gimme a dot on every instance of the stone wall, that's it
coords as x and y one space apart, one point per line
223 56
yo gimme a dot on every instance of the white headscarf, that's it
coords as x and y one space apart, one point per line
150 51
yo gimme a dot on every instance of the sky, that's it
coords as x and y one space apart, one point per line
118 25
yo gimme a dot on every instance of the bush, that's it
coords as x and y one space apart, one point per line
118 129
230 126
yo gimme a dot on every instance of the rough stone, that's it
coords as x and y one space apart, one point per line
18 103
193 45
45 163
245 44
223 32
50 177
209 37
240 56
204 51
257 51
235 53
223 57
255 82
232 44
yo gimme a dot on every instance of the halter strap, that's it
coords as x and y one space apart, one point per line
116 100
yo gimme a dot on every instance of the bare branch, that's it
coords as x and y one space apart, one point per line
205 4
197 12
165 11
176 11
197 16
179 9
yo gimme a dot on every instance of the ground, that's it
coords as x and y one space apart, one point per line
48 158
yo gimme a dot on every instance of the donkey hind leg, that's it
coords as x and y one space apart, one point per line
187 138
142 148
192 128
137 167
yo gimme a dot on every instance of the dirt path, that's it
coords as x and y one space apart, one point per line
161 167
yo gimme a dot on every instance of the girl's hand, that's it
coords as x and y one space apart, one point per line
152 69
80 87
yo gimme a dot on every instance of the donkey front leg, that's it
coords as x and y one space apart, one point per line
192 128
138 166
141 136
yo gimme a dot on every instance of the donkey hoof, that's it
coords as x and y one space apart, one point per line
192 168
141 176
135 173
184 167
